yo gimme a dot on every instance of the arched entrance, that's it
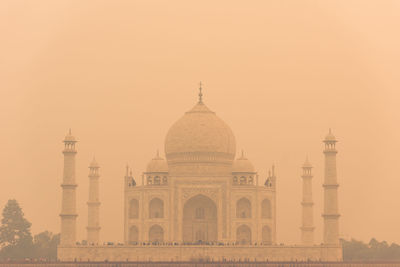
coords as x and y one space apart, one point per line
266 235
156 208
199 220
243 235
156 234
243 208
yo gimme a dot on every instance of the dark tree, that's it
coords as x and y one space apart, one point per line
15 235
45 245
373 251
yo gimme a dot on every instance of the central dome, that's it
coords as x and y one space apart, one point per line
200 137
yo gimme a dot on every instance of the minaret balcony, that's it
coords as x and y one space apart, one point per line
330 186
331 216
65 215
69 186
330 151
69 151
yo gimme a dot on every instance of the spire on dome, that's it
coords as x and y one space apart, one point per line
94 164
200 93
157 157
157 164
330 137
69 137
307 163
69 142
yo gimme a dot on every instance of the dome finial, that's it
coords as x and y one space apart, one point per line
307 163
200 93
94 164
330 137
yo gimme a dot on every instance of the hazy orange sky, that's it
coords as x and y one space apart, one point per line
280 73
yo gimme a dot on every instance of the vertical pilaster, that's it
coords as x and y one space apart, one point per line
126 206
331 213
93 228
68 206
273 205
307 226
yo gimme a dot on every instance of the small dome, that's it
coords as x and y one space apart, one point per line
330 136
242 164
157 164
94 164
307 164
69 137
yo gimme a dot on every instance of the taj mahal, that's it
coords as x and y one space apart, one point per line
200 201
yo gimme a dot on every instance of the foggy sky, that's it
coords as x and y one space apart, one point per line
280 73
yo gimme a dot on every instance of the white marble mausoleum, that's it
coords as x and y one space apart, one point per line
199 200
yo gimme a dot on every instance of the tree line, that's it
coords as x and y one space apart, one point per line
17 243
355 250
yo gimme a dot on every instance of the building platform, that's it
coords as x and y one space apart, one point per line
203 264
179 253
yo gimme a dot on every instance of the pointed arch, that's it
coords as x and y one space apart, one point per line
156 208
200 220
243 235
243 208
156 233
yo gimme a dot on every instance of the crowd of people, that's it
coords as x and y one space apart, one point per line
198 243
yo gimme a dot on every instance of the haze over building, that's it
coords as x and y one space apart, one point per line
201 202
280 73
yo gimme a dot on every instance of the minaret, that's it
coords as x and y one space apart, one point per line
307 227
331 214
68 209
93 228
